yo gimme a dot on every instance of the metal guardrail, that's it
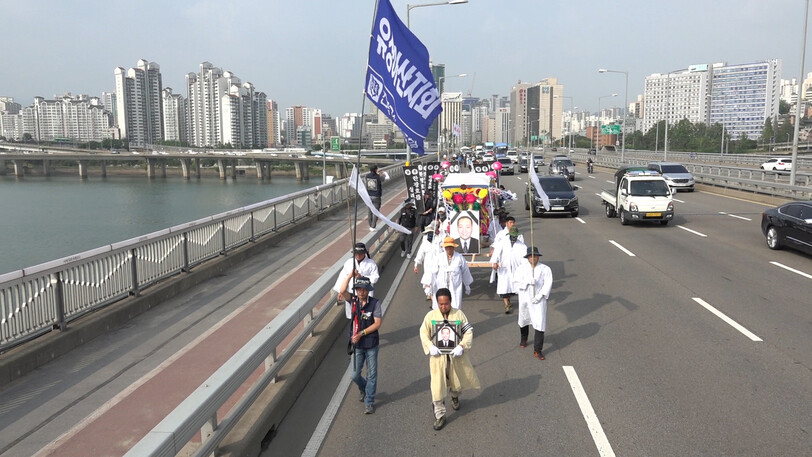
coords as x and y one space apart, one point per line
46 297
198 412
732 177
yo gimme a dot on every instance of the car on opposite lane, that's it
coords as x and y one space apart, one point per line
789 225
777 164
677 176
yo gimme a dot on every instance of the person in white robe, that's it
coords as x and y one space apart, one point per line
507 256
534 281
364 266
428 253
449 270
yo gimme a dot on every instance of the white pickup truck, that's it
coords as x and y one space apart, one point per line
639 195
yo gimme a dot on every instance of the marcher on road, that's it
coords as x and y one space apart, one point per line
534 281
374 184
450 271
450 370
366 316
364 266
506 259
427 254
408 219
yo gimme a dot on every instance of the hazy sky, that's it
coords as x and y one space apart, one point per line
313 52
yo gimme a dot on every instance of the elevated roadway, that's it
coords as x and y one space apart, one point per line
693 339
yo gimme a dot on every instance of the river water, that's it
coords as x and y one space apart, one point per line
46 218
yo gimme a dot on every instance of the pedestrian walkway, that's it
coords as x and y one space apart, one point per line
246 301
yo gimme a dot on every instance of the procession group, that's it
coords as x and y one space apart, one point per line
446 334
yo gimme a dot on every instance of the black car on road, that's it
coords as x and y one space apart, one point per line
789 225
560 192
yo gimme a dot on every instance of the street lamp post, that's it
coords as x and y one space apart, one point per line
439 121
668 114
409 9
599 120
527 127
625 108
794 166
572 108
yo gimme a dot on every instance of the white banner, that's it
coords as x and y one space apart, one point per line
362 192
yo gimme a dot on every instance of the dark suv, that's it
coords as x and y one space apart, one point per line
559 191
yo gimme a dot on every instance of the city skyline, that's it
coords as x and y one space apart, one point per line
315 55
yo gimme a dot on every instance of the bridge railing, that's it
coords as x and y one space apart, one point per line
727 176
198 413
47 297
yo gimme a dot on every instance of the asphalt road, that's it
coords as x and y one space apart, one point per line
697 344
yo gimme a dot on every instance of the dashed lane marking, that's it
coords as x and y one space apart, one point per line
729 321
806 275
617 245
693 231
592 422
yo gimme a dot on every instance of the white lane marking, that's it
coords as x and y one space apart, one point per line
580 220
677 200
592 422
591 177
610 181
733 215
597 194
320 433
730 321
693 231
617 245
806 275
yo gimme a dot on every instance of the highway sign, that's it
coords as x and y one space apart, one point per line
613 129
335 143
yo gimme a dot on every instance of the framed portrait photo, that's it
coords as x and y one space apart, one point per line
446 335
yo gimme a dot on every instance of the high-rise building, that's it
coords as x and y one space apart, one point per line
743 96
450 120
224 110
536 110
272 120
139 104
174 106
78 119
684 94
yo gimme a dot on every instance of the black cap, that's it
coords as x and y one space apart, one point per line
373 167
360 247
363 283
532 251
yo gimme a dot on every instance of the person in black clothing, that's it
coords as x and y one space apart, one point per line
408 219
428 210
366 315
374 184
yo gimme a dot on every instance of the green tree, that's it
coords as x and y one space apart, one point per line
27 138
783 107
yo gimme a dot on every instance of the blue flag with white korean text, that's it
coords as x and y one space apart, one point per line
399 80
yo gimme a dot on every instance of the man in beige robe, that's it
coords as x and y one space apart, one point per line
449 371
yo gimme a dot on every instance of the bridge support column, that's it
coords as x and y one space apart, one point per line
46 168
163 168
197 168
150 168
185 165
19 169
2 167
260 170
83 169
104 168
221 165
302 171
233 169
341 170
